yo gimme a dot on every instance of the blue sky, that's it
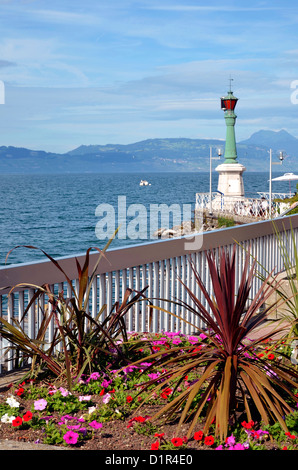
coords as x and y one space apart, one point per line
121 71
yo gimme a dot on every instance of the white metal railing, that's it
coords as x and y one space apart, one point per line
158 265
275 195
243 206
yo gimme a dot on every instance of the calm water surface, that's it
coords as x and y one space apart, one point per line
57 212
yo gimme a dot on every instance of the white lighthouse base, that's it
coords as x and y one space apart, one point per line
230 180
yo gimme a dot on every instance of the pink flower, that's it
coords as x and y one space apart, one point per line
193 339
154 375
94 376
40 404
95 425
176 341
85 398
238 447
106 383
106 398
71 437
230 441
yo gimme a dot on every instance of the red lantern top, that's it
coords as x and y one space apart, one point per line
229 102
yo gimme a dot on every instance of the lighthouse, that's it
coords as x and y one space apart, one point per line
230 180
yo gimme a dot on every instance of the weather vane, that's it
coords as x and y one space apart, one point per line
231 79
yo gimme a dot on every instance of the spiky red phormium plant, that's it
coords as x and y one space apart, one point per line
232 378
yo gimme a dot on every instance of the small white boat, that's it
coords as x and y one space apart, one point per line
144 183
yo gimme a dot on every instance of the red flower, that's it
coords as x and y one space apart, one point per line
198 436
166 392
209 440
128 399
291 436
138 419
17 422
159 435
177 441
102 392
248 425
155 445
27 416
271 356
20 391
197 349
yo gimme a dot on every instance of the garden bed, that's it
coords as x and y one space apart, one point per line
124 435
103 413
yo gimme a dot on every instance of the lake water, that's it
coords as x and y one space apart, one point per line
57 213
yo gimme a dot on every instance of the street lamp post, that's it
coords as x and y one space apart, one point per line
210 176
281 158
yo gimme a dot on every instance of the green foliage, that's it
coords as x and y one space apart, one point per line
6 409
80 341
225 222
53 434
147 428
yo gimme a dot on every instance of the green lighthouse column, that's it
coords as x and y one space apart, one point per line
230 147
230 181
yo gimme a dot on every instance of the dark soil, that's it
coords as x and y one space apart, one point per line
116 435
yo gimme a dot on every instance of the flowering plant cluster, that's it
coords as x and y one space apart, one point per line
70 417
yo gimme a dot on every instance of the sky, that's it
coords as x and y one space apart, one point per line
121 71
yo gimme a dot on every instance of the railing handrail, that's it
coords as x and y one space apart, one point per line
44 271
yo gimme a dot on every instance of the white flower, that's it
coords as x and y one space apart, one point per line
294 354
7 419
85 398
12 402
91 409
106 398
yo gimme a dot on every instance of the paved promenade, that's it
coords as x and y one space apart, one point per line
20 446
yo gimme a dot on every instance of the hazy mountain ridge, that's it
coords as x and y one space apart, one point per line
168 154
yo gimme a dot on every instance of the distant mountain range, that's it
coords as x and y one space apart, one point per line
152 155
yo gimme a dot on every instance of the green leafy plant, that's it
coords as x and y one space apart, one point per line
225 222
233 379
80 342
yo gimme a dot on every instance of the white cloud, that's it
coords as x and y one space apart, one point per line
114 71
60 16
210 8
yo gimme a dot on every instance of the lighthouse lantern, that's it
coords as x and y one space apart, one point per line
228 103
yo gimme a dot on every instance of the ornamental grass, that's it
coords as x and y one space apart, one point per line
233 379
